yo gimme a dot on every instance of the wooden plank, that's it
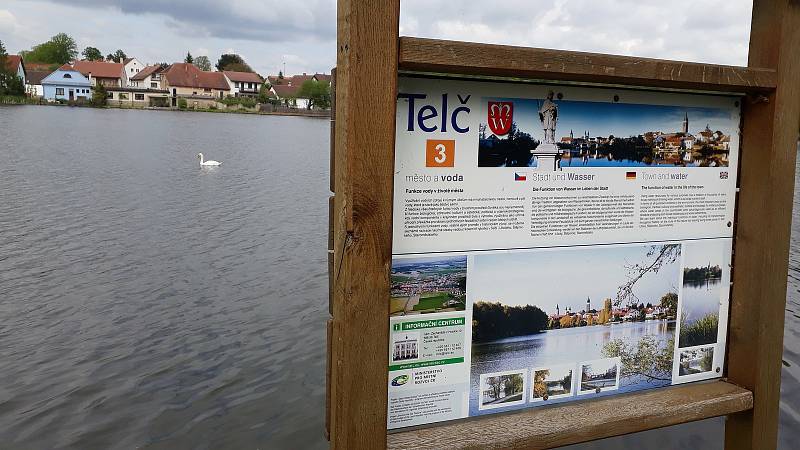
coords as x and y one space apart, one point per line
467 58
769 140
366 92
332 171
571 423
328 327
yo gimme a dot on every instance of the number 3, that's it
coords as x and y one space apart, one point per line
442 157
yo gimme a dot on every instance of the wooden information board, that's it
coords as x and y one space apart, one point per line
484 137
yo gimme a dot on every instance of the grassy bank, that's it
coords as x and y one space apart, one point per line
702 332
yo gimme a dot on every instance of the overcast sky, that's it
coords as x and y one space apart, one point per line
268 33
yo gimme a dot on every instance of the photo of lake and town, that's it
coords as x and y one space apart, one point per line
577 322
603 134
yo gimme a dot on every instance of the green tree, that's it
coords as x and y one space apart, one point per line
657 257
232 61
60 49
263 93
669 303
117 56
203 63
318 94
648 357
188 59
99 95
92 54
10 83
182 103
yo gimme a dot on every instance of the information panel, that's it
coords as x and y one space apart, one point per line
555 243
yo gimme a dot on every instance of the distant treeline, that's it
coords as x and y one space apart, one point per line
701 273
492 321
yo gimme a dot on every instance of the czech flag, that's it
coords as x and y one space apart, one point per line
630 175
520 176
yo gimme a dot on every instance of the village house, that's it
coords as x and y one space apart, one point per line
133 97
143 90
108 74
243 84
14 63
286 89
68 84
131 67
33 82
147 78
198 88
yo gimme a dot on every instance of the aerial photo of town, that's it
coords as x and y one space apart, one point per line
427 285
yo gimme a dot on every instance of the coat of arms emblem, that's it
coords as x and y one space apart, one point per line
500 116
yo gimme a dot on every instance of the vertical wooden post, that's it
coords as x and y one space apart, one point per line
769 140
366 85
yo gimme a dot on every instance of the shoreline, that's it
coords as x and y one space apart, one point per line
318 114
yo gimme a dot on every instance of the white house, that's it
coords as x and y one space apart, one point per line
132 66
243 84
33 82
147 78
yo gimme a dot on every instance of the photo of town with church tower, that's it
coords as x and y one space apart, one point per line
598 134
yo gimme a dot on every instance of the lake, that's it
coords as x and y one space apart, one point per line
147 303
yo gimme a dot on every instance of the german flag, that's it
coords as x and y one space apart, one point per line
630 175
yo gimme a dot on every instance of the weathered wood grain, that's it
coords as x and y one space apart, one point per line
769 150
440 56
570 423
366 90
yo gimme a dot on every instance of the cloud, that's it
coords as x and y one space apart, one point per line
235 19
303 34
714 31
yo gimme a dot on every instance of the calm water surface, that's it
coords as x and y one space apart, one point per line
146 303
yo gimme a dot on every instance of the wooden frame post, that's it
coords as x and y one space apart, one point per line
369 55
366 85
769 151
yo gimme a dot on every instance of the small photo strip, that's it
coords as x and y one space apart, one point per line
696 361
405 346
551 383
502 389
599 375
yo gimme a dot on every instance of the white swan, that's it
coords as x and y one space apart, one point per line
210 162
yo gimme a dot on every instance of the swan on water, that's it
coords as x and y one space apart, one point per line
210 162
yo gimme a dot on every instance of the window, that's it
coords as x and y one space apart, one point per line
236 83
110 95
138 96
59 91
66 75
154 85
207 90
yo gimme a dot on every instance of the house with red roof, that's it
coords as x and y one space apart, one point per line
15 64
286 88
147 78
108 74
131 67
199 88
33 82
243 84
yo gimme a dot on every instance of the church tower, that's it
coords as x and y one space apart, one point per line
588 305
685 123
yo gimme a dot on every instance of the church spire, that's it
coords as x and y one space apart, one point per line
685 123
